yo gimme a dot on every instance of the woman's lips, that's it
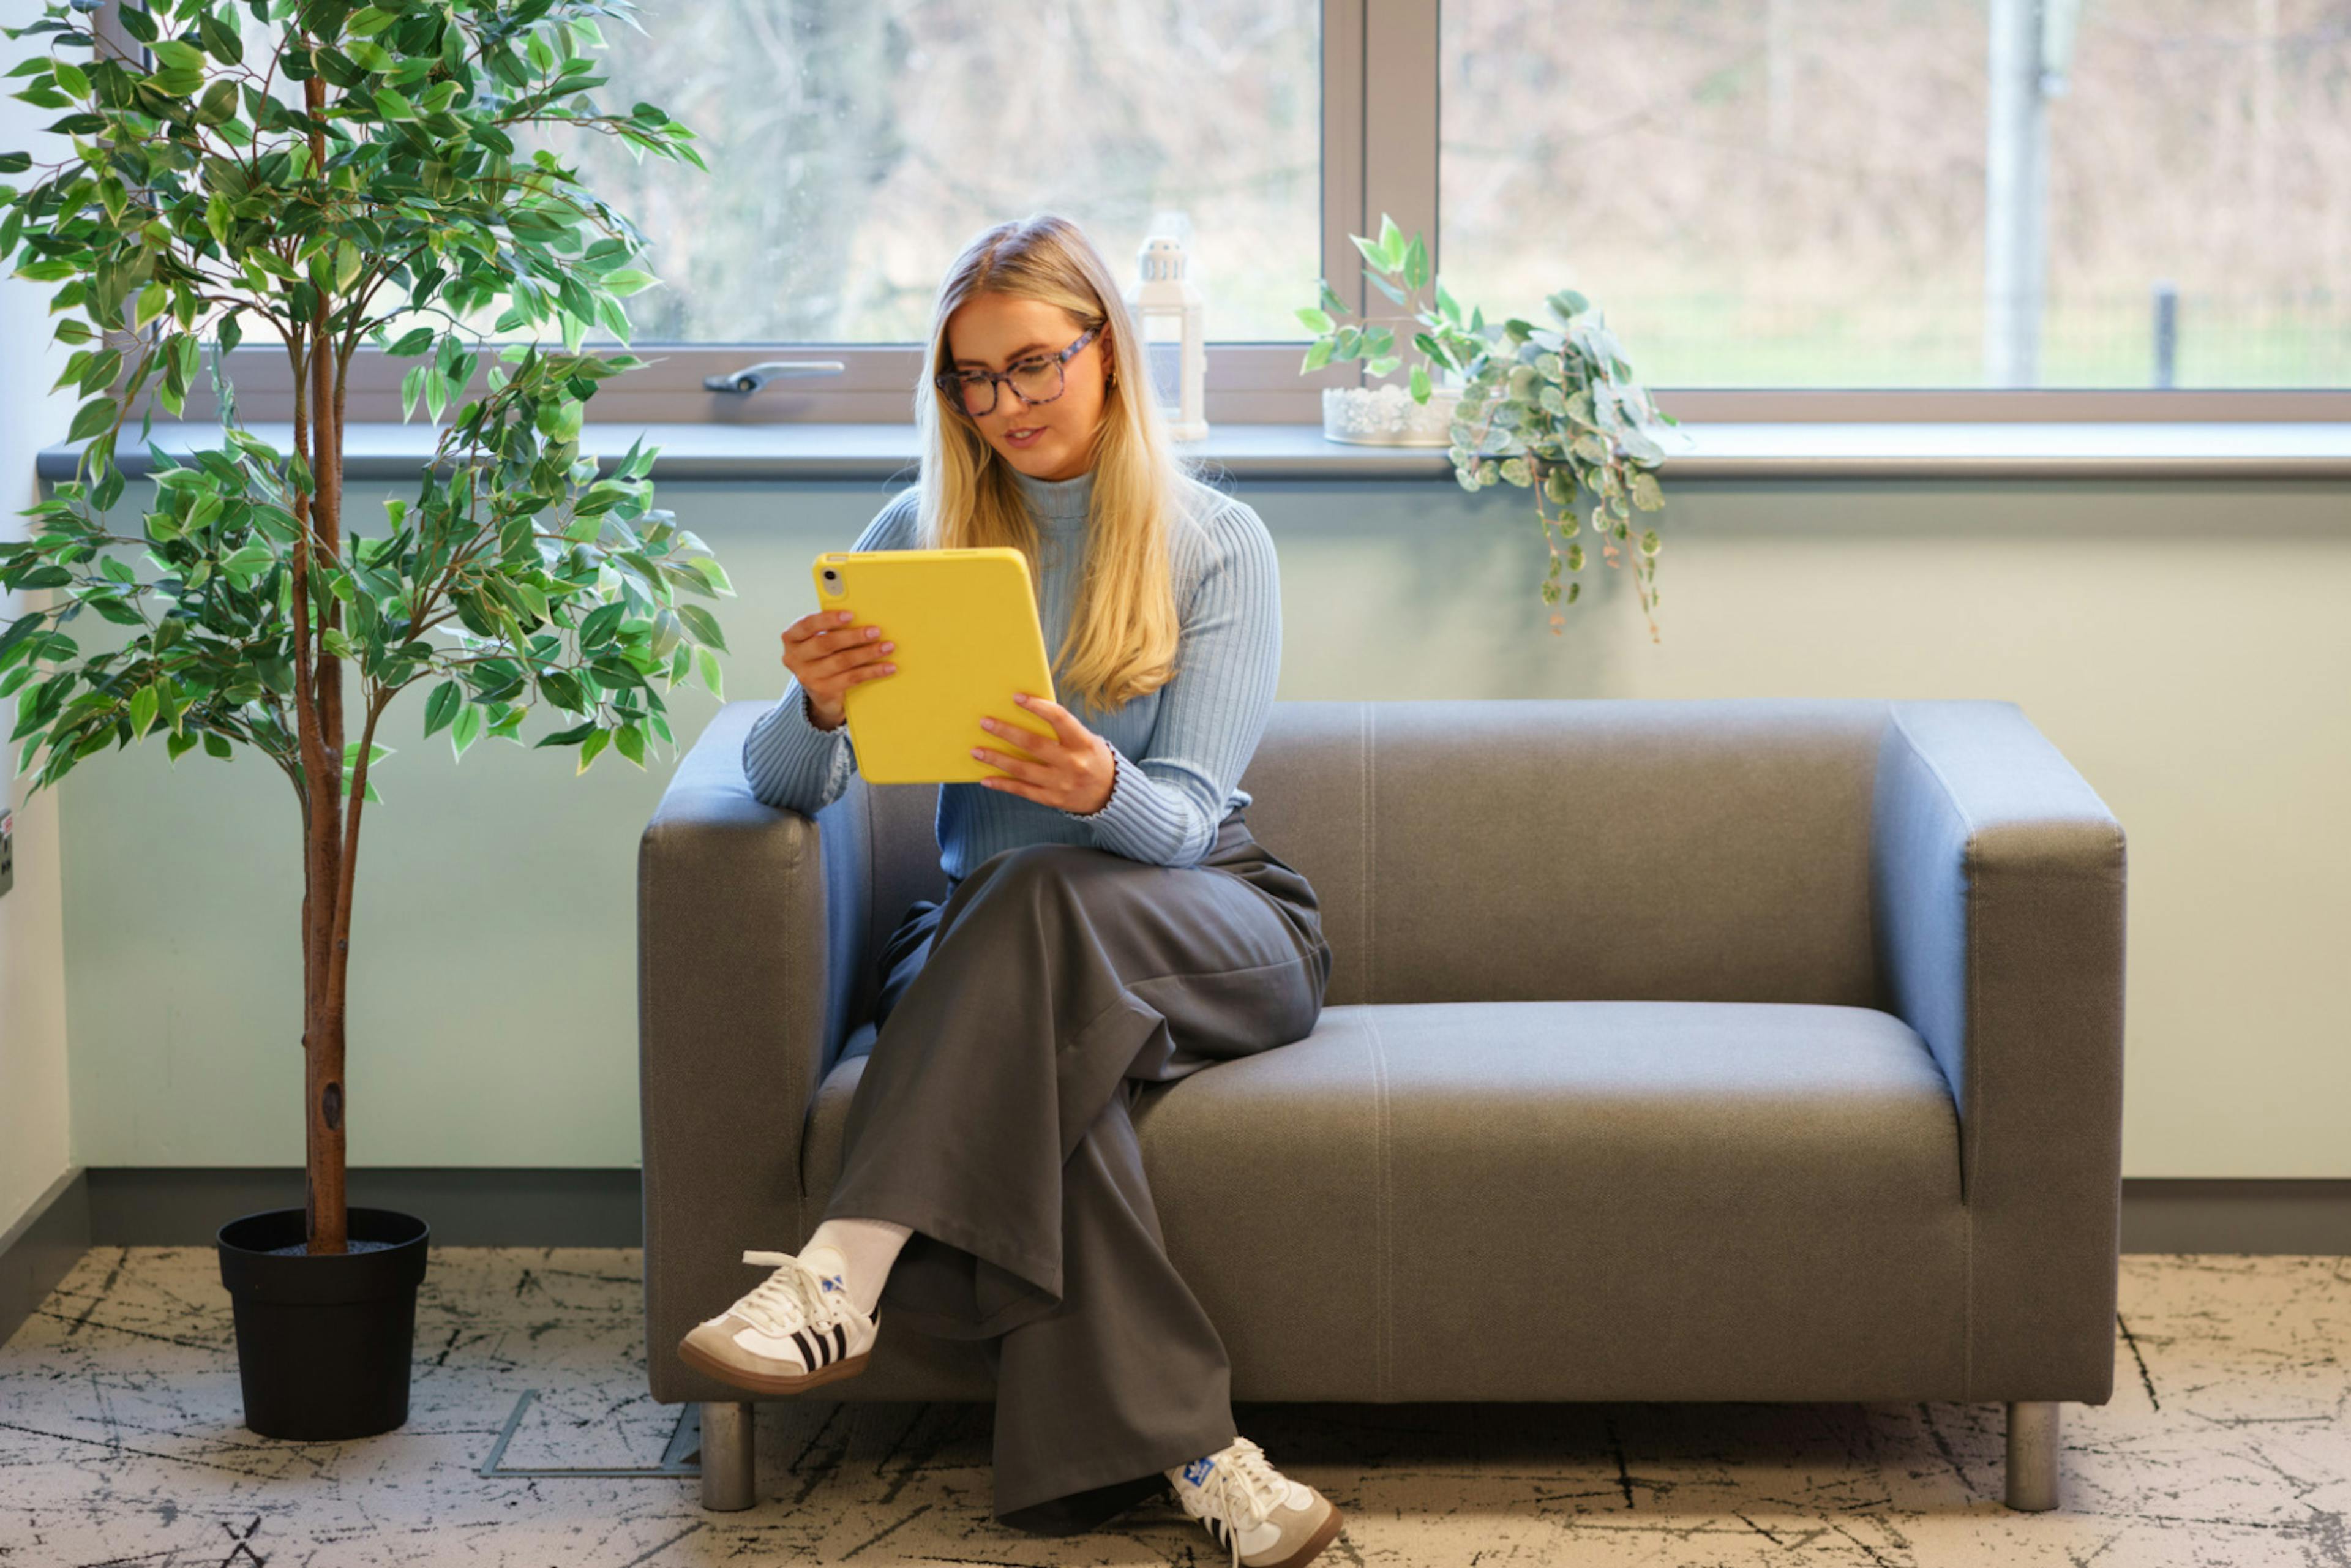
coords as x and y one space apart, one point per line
1019 437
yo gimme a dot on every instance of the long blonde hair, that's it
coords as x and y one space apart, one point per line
1123 628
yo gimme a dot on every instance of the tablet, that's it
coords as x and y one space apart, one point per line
966 624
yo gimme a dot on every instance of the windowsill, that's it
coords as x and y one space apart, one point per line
1884 450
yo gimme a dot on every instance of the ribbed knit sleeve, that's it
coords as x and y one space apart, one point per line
790 762
1164 806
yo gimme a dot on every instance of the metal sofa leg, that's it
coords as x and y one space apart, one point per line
729 1460
2033 1426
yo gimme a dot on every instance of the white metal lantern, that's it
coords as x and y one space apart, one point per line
1171 315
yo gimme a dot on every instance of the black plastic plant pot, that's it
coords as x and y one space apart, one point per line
323 1344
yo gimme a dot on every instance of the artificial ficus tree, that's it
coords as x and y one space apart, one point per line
324 175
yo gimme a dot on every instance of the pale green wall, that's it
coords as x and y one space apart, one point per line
2185 645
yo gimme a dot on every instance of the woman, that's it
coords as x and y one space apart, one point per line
1110 923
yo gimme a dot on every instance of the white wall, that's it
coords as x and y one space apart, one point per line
34 1124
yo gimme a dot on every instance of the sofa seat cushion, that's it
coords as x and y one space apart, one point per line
1703 1200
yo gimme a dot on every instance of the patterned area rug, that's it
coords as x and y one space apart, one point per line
2228 1441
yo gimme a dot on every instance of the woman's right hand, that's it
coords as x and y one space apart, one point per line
827 655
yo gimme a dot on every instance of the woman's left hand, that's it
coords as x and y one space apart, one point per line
1071 769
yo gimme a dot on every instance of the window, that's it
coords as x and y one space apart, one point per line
2125 207
1912 192
856 144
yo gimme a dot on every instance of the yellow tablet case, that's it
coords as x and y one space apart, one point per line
966 624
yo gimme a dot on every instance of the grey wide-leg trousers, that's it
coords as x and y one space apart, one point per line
1020 1020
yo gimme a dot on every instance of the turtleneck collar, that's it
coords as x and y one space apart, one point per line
1060 505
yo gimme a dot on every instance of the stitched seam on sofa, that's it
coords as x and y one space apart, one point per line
1971 1122
1384 1333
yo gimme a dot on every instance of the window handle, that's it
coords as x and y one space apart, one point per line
751 377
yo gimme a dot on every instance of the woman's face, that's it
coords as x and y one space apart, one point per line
1053 440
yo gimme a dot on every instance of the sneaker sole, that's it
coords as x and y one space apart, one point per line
1312 1547
694 1356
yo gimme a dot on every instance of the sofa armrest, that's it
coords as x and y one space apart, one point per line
751 923
1997 877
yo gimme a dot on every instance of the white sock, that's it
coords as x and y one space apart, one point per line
865 1249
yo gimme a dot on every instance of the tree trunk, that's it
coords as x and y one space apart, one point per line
318 711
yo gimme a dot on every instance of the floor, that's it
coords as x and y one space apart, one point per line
2228 1441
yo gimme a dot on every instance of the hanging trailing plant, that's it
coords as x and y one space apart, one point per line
1552 409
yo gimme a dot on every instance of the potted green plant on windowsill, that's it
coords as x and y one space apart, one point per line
354 172
1552 409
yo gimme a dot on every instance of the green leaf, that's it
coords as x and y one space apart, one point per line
1385 365
601 625
466 729
591 749
1416 264
393 106
1420 385
1318 354
173 55
1316 321
142 710
219 103
220 40
93 416
441 706
703 624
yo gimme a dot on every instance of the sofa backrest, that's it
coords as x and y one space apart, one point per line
1549 849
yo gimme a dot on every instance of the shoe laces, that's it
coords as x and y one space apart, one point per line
1244 1488
793 1297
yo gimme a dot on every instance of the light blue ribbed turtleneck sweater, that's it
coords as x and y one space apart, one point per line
1179 750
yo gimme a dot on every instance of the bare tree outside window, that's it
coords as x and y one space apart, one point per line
1792 193
854 145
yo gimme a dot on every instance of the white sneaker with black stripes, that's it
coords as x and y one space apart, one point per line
1261 1516
797 1330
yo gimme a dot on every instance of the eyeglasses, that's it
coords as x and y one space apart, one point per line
1035 380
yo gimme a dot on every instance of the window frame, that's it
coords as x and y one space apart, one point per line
1383 52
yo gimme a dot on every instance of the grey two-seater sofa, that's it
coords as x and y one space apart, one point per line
1736 1050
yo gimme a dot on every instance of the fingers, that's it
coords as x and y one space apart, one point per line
1007 740
864 651
1066 728
829 655
1028 769
827 631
